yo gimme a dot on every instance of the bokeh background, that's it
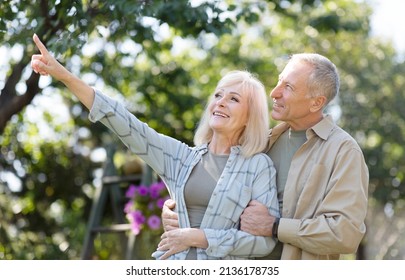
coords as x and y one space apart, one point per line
163 58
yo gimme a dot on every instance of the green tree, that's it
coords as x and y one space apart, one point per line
165 57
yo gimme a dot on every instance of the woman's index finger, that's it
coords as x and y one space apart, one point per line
40 45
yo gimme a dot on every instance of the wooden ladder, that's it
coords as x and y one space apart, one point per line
111 190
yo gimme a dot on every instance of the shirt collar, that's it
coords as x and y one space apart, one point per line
203 148
322 128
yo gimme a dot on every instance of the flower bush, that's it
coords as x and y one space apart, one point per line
144 207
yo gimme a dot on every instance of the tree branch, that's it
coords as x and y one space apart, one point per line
10 102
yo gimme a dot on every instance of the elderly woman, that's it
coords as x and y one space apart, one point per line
212 182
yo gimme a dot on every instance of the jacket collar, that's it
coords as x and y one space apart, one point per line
204 148
322 129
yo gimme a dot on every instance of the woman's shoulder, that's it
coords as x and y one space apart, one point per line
261 159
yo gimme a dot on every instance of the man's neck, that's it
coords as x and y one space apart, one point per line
305 124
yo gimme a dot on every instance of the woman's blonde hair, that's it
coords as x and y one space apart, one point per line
254 138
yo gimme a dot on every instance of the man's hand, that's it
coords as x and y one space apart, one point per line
170 219
256 219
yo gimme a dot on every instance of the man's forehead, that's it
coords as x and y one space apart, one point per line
296 68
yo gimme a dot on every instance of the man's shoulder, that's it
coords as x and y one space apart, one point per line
336 132
340 137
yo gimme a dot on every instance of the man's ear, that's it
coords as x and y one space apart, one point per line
318 103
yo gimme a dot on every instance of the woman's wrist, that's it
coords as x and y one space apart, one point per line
196 238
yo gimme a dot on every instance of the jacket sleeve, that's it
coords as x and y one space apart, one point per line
234 242
136 135
338 225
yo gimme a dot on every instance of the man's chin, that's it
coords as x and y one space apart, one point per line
276 117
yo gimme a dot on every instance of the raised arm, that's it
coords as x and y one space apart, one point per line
45 64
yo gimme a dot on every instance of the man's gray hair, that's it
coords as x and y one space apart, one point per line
324 80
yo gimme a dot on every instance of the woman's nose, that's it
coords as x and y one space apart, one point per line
220 102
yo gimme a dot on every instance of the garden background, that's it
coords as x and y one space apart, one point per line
163 58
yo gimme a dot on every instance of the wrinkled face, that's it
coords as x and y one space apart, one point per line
229 111
291 103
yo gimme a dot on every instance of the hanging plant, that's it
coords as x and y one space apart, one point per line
144 207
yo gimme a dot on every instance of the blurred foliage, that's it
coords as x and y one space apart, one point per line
164 58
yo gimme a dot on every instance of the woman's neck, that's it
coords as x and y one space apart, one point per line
221 146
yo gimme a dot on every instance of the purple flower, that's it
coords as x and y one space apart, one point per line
143 208
143 190
160 202
131 191
154 193
136 228
136 217
154 222
155 187
128 206
137 220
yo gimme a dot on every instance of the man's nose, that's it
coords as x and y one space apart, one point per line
275 92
